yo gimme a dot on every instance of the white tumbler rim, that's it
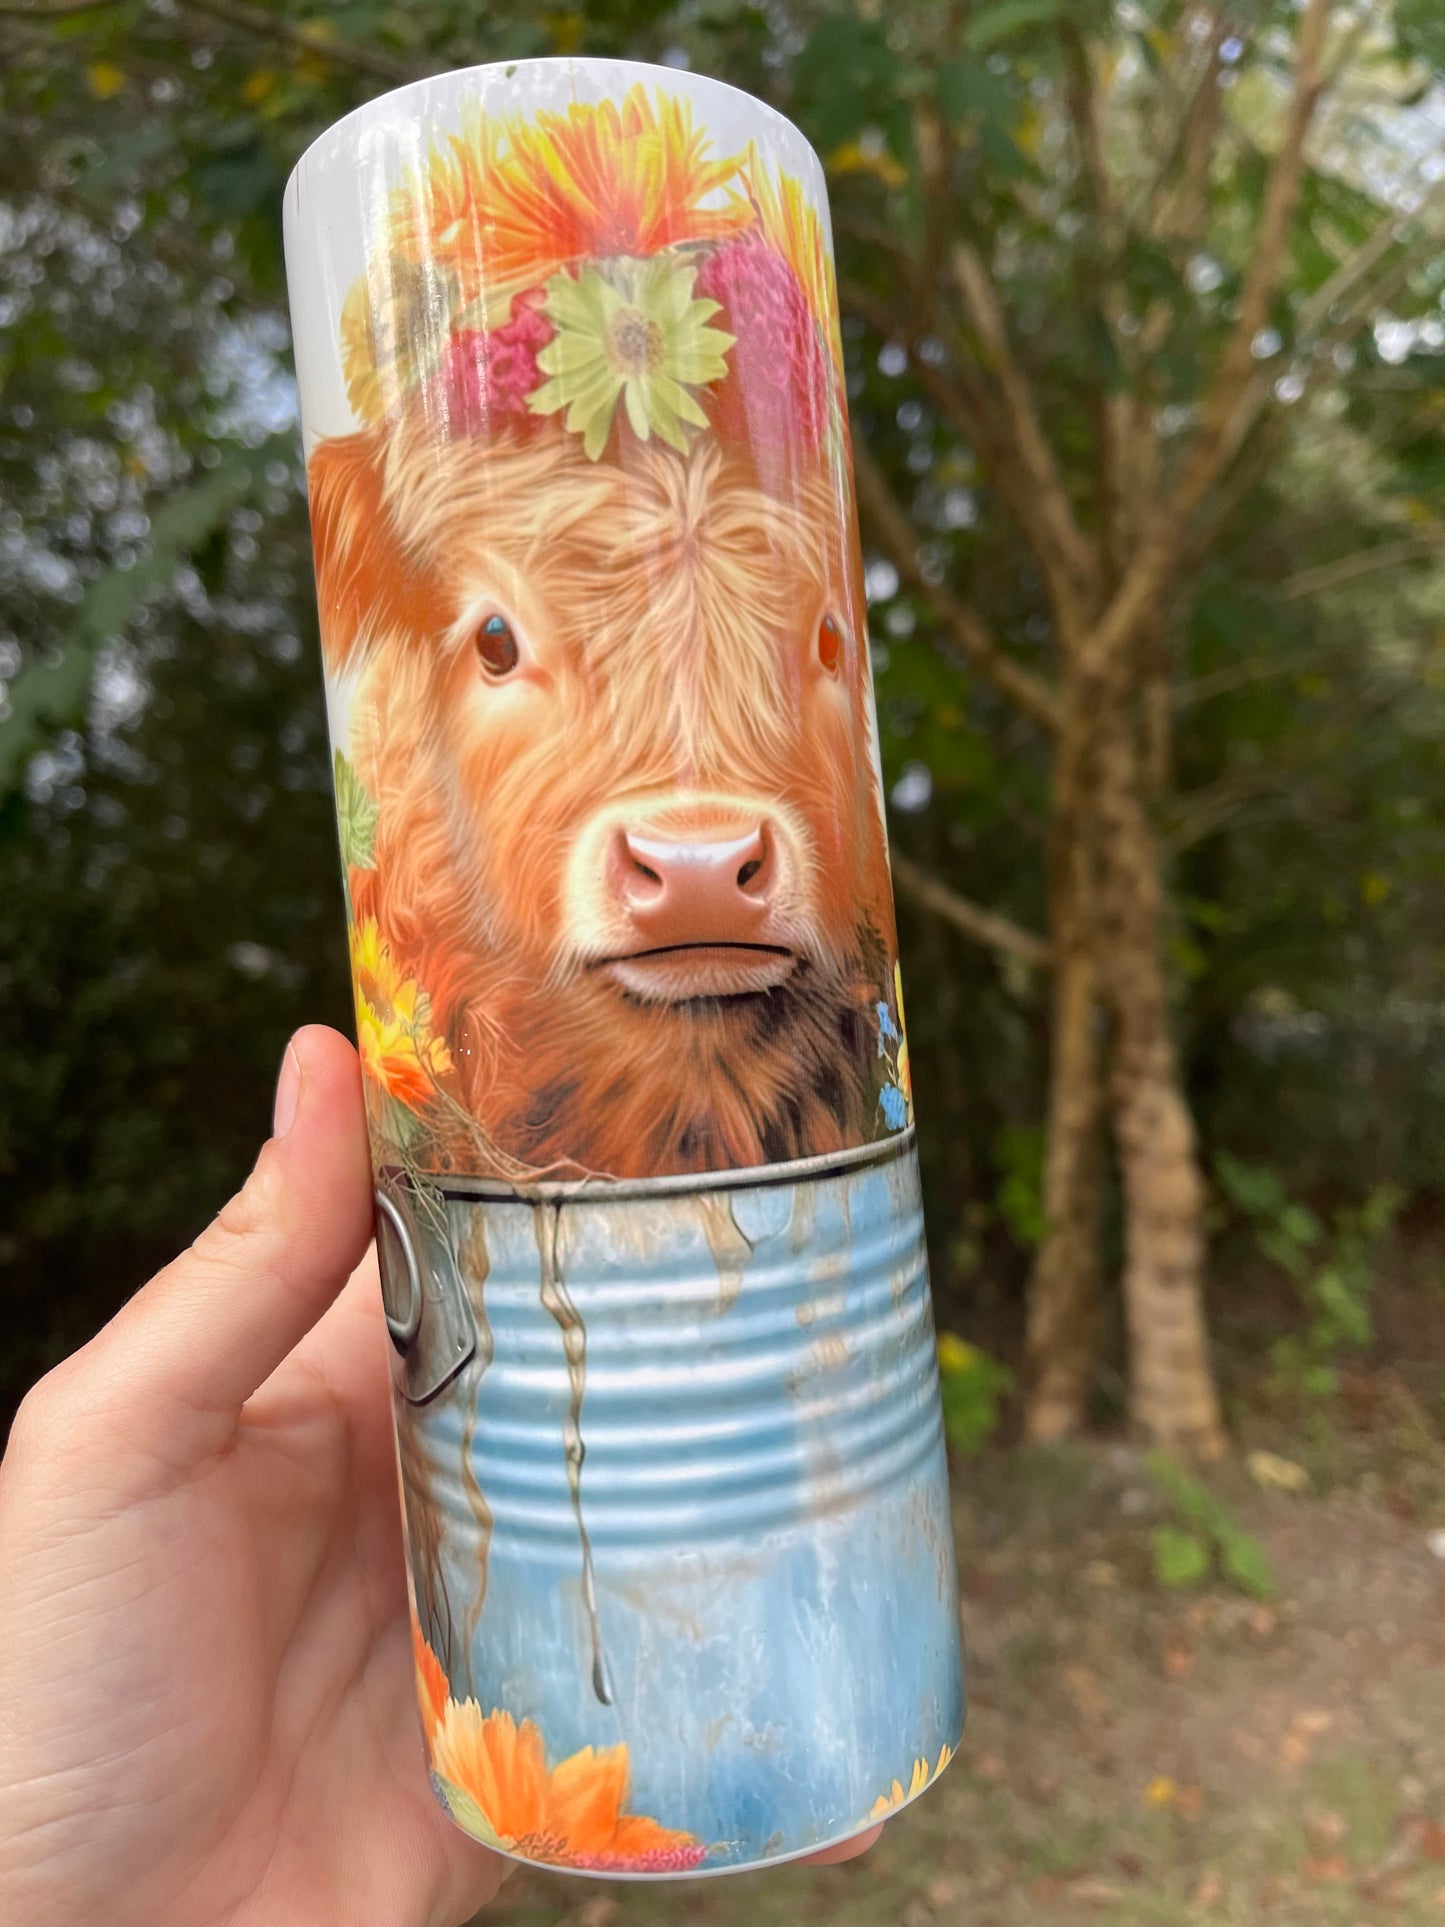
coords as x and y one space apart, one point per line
681 80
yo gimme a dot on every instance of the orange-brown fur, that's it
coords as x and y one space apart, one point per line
670 612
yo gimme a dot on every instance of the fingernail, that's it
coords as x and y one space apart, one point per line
288 1093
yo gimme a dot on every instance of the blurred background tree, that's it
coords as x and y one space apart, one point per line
1142 310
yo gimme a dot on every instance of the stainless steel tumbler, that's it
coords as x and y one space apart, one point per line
622 941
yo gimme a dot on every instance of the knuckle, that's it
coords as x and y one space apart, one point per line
241 1217
40 1418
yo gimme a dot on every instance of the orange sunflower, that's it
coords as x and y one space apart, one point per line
497 1784
511 199
399 1050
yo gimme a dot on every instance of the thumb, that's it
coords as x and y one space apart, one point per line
206 1331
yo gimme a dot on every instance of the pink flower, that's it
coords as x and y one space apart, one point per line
777 388
486 375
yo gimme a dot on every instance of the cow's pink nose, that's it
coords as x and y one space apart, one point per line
699 891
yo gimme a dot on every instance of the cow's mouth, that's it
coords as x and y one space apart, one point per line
676 973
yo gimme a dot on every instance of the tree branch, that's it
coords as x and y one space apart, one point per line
1357 266
1246 475
1269 434
359 58
962 396
1239 675
1177 211
1083 98
983 926
1220 432
1116 429
958 391
933 143
890 523
1349 568
1228 812
1175 214
1230 406
1066 555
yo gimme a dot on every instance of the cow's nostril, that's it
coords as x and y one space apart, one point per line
756 874
637 877
697 889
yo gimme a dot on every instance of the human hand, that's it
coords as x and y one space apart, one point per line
207 1709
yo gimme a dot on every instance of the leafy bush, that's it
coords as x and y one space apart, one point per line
1331 1266
1204 1536
974 1387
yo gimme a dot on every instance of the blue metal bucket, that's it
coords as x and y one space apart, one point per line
686 1495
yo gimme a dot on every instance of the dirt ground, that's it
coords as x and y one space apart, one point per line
1146 1757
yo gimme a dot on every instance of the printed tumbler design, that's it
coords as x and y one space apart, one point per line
622 942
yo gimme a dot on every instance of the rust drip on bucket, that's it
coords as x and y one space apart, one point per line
729 1244
557 1300
476 1263
805 1215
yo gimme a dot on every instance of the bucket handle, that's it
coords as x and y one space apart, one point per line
403 1327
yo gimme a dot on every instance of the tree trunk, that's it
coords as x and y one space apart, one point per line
1063 1300
1172 1396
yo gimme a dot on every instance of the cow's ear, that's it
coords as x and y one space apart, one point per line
367 584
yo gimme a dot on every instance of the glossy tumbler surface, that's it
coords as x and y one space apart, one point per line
623 950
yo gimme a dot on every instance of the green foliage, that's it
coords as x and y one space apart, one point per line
1019 1150
356 814
1333 1268
51 692
848 77
1421 30
974 1387
990 25
1204 1537
162 734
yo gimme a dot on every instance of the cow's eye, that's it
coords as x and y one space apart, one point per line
830 643
497 646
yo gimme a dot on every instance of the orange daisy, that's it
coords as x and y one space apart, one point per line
511 199
432 1690
497 1783
898 1793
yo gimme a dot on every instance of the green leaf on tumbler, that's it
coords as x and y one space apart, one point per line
465 1811
356 813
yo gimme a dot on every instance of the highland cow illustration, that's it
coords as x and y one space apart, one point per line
591 608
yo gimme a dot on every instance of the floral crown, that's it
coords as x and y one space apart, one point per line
599 266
